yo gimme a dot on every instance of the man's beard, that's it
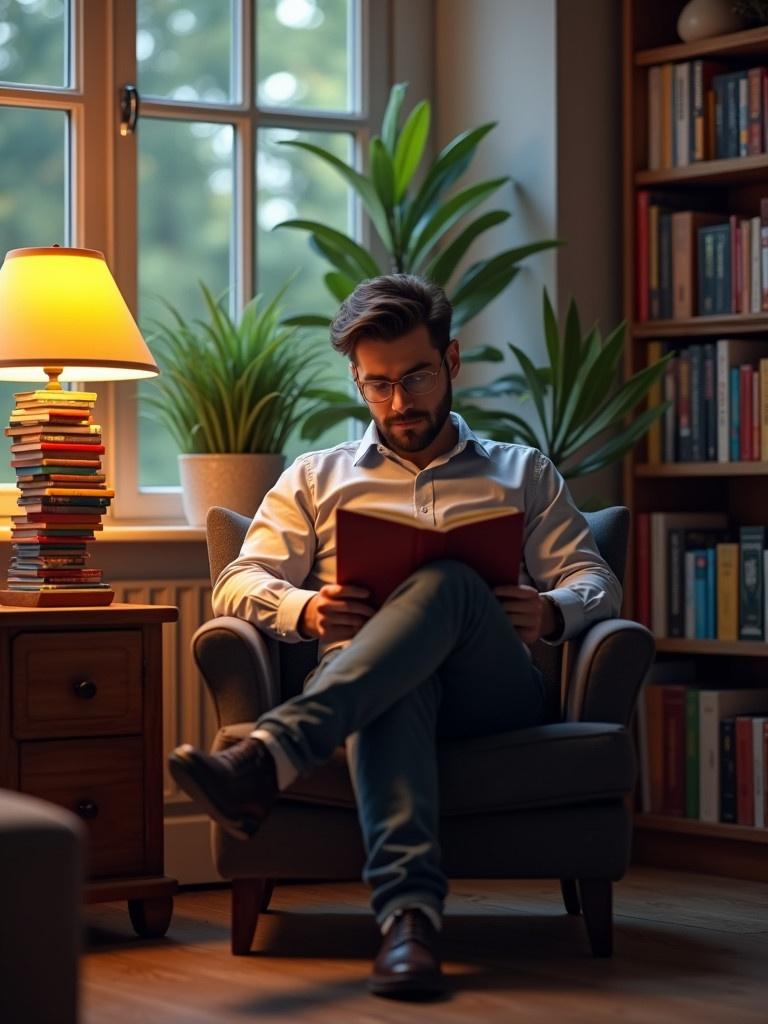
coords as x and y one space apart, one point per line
423 432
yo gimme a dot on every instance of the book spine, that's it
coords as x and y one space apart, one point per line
755 139
698 112
745 790
654 289
658 574
758 769
682 79
709 757
722 273
743 85
682 279
670 414
710 404
697 403
665 264
734 409
700 592
755 415
723 390
673 717
655 352
765 760
751 543
675 577
666 116
711 594
727 591
684 440
745 405
745 261
733 256
732 115
691 752
763 375
689 590
718 86
755 269
705 272
727 770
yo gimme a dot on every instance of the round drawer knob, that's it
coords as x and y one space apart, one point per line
86 689
87 808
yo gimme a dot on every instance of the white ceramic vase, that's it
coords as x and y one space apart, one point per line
238 482
701 19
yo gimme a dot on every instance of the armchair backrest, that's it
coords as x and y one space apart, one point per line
225 533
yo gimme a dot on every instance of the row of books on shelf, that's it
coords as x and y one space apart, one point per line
704 110
698 262
56 450
699 579
716 398
704 752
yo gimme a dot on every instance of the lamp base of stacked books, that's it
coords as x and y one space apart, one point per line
56 450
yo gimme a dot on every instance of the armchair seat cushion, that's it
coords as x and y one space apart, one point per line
544 766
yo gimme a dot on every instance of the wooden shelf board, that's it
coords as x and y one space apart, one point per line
749 41
690 826
730 171
723 326
676 469
682 645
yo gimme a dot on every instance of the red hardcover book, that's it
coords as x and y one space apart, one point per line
378 550
755 78
643 302
745 783
643 568
61 541
745 412
47 447
673 715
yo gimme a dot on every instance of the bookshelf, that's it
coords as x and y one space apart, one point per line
738 489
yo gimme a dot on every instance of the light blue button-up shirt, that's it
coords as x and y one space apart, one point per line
290 549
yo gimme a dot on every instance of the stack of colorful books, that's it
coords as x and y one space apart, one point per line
56 451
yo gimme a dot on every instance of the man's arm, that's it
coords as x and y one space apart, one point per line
265 582
562 558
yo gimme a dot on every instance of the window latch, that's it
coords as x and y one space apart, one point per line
129 109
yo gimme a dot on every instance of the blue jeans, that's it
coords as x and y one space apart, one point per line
440 658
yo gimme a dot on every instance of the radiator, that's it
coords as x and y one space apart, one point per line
188 715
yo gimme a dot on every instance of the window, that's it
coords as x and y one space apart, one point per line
194 193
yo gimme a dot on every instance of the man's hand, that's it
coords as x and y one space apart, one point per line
532 615
335 613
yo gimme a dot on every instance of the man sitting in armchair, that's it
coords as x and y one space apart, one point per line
444 656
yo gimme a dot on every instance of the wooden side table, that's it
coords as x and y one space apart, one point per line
81 726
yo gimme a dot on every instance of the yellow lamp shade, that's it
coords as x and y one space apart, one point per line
61 308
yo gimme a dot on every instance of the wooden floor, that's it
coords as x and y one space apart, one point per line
689 948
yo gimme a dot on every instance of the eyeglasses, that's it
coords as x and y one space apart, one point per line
421 382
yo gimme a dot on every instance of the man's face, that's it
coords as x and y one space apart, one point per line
408 423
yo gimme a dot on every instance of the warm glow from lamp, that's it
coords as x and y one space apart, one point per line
62 318
61 307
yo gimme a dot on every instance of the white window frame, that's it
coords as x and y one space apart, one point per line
133 503
102 211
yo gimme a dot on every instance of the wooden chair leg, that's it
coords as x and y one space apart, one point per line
597 904
247 901
570 895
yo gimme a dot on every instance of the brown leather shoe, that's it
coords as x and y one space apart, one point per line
236 786
408 964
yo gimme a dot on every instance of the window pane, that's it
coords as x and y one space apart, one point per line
184 50
34 42
305 54
33 199
186 178
293 183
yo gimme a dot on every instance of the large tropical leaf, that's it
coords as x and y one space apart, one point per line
409 148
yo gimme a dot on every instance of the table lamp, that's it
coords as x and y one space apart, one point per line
62 318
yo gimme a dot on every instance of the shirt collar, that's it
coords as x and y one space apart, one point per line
372 439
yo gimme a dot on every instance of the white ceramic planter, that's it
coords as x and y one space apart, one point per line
238 482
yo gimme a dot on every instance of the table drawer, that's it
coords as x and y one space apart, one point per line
102 781
77 684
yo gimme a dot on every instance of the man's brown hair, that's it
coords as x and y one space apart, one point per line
388 307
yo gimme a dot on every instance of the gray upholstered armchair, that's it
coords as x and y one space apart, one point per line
544 802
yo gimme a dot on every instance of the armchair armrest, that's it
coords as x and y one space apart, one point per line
239 666
608 670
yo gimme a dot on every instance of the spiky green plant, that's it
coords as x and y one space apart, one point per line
230 386
421 229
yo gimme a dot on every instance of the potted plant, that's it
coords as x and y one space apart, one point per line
230 394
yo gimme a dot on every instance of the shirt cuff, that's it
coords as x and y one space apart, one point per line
572 610
289 612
